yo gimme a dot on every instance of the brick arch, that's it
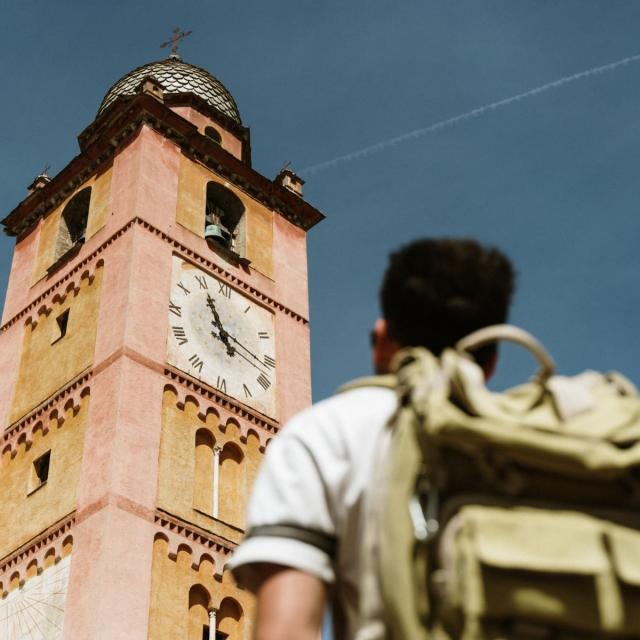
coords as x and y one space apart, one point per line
204 470
199 605
232 484
231 618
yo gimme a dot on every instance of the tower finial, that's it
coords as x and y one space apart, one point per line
175 39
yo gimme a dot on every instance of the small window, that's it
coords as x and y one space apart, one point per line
214 134
40 471
73 223
62 322
224 218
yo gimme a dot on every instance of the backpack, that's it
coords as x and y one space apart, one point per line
513 515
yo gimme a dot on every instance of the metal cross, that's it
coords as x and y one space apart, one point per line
175 39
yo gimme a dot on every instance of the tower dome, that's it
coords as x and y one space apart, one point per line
176 76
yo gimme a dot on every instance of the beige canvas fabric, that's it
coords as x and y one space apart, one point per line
509 515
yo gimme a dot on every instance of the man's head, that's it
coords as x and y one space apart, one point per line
435 292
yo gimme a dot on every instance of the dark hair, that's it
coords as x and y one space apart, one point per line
436 291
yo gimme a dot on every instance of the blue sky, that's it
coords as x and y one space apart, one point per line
552 179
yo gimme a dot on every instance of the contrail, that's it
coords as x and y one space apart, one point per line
474 113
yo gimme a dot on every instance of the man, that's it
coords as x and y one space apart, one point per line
305 540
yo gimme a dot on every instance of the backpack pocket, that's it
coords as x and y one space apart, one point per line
550 569
624 547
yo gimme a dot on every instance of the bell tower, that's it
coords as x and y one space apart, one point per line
154 338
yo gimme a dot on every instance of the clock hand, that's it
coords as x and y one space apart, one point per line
216 318
223 335
253 355
239 353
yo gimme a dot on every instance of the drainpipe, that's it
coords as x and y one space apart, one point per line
212 624
216 479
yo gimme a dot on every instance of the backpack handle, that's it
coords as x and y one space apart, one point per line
508 332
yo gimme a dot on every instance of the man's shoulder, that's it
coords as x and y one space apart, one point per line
349 413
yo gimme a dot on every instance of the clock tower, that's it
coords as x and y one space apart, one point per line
154 338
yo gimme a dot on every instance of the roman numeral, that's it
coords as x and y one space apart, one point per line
186 291
269 362
263 334
202 282
174 308
247 309
222 384
196 362
224 289
247 393
263 381
180 335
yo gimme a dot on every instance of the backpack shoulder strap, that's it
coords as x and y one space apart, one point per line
387 381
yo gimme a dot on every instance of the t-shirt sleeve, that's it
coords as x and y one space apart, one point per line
291 516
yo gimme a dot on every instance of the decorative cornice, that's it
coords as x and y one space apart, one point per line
222 401
123 125
184 251
37 548
68 397
198 542
187 99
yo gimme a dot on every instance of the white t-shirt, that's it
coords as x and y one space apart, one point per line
309 501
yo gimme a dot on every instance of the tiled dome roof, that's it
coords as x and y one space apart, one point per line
176 76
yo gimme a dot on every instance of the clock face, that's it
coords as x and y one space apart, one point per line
220 336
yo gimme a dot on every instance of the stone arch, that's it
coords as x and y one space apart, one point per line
213 134
224 218
206 563
32 568
203 482
231 428
230 619
73 223
231 481
254 452
67 546
184 555
49 558
38 430
14 581
199 605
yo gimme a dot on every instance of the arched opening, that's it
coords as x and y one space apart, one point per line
224 218
231 485
73 223
198 613
214 134
203 485
230 620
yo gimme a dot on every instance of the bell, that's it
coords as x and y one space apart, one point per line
217 234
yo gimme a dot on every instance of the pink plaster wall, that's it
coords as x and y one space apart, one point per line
109 584
148 295
110 580
290 262
294 375
24 257
113 543
145 180
229 143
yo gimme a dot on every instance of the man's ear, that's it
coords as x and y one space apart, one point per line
384 346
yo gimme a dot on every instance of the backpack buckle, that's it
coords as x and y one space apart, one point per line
425 519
